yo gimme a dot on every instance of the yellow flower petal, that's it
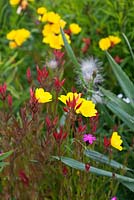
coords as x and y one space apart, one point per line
114 39
41 96
41 10
104 44
116 141
14 2
87 109
75 28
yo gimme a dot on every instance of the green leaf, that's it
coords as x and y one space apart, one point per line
128 182
124 81
104 159
125 117
5 155
119 102
123 110
129 46
3 164
69 50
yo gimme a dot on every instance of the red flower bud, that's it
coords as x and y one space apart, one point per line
87 167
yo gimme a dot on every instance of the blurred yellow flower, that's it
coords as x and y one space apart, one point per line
18 37
75 28
14 2
42 96
104 44
114 39
55 41
41 10
116 141
80 105
12 44
11 35
53 17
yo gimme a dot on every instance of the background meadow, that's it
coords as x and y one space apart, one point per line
66 100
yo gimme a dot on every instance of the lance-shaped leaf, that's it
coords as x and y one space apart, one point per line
128 182
123 110
124 81
69 50
125 117
5 155
104 159
129 46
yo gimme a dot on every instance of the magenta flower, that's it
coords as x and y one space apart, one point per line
114 198
89 138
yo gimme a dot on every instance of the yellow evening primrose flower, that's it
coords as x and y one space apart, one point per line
41 10
11 35
87 108
12 44
114 39
70 95
116 141
42 96
18 36
53 17
104 44
21 36
75 28
55 41
14 2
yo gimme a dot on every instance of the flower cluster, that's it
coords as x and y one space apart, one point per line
17 37
110 41
51 30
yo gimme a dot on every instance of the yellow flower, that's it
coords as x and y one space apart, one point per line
14 2
11 35
104 43
87 108
21 36
41 10
41 96
12 44
74 28
55 41
114 39
18 36
80 105
53 17
70 95
116 141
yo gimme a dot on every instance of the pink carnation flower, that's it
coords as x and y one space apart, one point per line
89 138
114 198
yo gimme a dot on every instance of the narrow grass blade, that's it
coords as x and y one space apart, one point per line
128 182
104 159
125 117
129 46
119 102
69 50
124 81
5 155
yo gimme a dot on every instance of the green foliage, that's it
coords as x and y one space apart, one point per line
29 128
3 156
